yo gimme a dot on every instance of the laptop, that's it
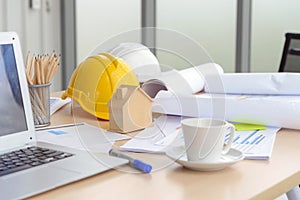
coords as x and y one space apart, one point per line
28 167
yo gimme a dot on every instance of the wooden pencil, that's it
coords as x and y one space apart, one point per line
40 69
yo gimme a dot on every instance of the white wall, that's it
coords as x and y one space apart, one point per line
39 30
270 21
98 21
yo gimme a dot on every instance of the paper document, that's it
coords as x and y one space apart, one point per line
56 103
80 136
257 145
151 138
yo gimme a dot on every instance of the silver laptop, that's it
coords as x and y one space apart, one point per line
28 167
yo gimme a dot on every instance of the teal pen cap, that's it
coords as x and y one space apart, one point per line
137 164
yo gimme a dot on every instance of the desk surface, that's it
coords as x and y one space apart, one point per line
247 179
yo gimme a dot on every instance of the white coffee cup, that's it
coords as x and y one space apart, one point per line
204 138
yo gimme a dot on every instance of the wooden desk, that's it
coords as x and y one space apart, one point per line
247 179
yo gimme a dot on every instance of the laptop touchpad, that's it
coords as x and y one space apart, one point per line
34 181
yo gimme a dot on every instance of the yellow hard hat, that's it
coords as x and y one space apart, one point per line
95 80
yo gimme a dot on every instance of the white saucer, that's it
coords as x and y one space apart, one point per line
178 154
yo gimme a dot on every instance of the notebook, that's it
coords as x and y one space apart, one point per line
28 167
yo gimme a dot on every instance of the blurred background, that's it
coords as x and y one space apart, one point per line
241 36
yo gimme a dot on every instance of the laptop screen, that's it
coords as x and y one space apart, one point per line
12 111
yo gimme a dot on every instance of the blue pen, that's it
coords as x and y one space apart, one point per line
137 164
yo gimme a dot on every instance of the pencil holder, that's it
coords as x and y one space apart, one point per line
40 103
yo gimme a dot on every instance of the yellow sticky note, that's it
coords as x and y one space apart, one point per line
249 127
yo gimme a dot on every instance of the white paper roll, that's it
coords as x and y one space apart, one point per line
195 76
139 58
256 83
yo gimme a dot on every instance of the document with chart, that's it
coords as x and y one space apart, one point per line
257 144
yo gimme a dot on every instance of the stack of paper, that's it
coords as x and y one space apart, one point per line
256 144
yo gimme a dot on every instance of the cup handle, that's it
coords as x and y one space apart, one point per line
227 145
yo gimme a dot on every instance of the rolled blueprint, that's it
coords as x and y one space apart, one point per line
143 62
269 110
190 80
194 76
256 83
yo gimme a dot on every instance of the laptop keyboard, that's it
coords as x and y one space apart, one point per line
27 158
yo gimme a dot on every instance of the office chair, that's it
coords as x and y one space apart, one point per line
290 60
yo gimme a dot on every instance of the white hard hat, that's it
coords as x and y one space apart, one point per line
139 58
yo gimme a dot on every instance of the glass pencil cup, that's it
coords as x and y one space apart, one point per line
40 103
